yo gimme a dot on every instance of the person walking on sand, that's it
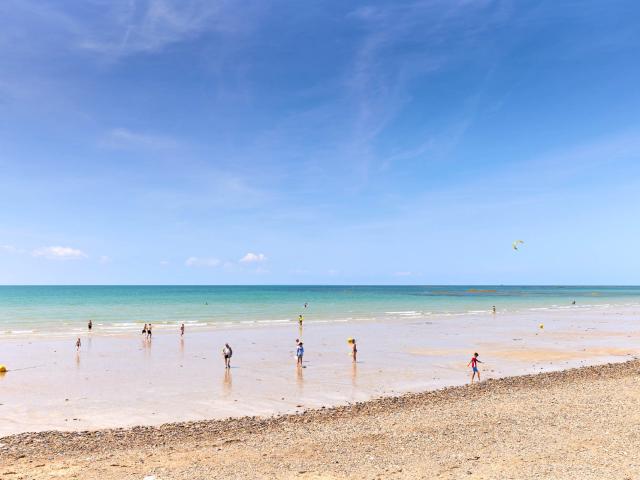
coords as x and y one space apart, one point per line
299 354
90 325
354 350
474 366
226 354
78 344
149 332
144 330
182 330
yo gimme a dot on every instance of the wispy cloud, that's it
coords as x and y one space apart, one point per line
147 26
104 259
253 258
403 274
114 30
207 262
122 138
379 82
11 249
59 253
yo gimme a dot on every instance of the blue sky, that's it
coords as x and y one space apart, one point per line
380 142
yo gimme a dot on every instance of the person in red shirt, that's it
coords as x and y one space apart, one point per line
474 366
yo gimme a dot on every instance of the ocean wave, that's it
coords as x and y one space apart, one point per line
407 313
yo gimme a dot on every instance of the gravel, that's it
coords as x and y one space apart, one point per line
579 423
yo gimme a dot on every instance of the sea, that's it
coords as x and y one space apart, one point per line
115 310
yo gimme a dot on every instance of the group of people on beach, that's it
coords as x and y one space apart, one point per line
227 351
147 331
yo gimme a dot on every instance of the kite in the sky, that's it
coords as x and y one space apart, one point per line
516 243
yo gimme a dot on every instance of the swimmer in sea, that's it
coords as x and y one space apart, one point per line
474 366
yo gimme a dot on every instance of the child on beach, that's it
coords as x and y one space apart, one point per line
299 354
474 365
149 332
78 344
226 354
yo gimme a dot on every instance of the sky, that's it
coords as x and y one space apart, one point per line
282 142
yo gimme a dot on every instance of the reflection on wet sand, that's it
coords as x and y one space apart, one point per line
354 374
227 383
299 378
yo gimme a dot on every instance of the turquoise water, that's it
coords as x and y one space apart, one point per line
115 309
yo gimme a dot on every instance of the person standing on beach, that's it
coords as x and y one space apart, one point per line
474 366
182 330
354 350
494 309
144 330
299 354
300 319
90 325
78 344
226 354
149 332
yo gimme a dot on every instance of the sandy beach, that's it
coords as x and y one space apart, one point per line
123 381
578 423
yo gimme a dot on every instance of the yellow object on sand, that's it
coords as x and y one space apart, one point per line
3 368
350 340
541 325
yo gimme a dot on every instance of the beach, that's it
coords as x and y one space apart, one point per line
124 381
578 423
558 397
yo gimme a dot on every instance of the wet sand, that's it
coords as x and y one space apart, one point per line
579 423
123 381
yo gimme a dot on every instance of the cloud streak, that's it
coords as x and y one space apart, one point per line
11 249
206 262
122 138
148 26
59 253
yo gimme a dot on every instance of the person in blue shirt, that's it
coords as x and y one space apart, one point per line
299 354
